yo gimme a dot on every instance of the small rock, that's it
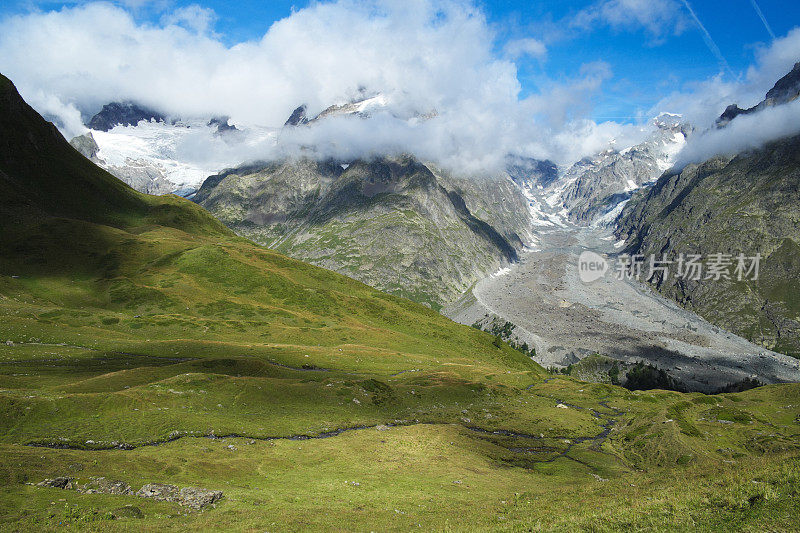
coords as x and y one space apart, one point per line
61 482
107 486
160 492
199 498
562 406
189 496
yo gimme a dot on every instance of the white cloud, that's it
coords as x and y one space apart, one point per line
194 17
659 18
702 103
746 132
518 48
422 54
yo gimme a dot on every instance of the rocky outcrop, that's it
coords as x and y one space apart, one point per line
122 114
298 117
784 91
394 223
192 497
86 145
101 485
222 124
60 482
187 496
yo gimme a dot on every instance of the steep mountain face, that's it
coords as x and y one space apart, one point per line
746 204
122 114
784 91
531 173
393 223
593 187
298 117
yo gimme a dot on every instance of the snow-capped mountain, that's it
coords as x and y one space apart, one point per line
157 156
594 186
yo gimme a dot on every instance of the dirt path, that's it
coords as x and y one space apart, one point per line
566 319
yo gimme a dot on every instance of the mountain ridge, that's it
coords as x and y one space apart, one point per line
406 219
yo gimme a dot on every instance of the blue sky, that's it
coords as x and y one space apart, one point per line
645 66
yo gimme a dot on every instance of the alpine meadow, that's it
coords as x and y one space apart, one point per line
365 265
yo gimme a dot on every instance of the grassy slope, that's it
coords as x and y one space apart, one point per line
138 319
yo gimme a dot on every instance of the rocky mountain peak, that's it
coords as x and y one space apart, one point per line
122 114
528 172
298 117
784 91
86 145
223 125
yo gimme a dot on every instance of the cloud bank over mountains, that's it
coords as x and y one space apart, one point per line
702 104
426 57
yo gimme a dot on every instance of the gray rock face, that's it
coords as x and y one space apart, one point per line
530 173
86 145
598 184
124 114
746 204
298 117
393 223
102 485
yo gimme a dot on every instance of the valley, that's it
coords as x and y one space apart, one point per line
567 320
353 266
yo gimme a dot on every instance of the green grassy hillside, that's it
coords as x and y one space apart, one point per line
143 342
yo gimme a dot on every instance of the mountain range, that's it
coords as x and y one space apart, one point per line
146 345
395 223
